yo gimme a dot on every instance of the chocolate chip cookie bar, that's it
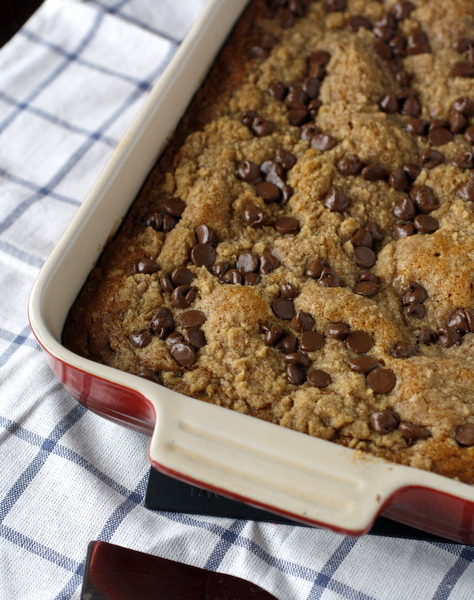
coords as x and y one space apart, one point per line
303 251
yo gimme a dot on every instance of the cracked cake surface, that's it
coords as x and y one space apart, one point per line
303 251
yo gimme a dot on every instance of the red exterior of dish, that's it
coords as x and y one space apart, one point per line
420 507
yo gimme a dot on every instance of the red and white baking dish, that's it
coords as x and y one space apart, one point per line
301 477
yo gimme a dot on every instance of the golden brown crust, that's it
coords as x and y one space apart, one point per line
241 366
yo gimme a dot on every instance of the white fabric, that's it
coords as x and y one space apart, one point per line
70 82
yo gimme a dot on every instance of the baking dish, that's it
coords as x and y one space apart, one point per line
298 476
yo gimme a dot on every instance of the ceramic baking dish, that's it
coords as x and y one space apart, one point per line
280 470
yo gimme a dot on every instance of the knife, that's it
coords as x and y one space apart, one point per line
116 573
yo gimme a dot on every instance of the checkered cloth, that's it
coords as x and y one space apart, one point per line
71 81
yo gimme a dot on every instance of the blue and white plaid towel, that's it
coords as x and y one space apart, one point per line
70 82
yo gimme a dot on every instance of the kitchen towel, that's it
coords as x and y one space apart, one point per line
71 80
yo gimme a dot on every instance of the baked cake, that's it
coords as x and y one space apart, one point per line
303 251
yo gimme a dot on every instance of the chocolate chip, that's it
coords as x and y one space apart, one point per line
439 136
287 344
251 278
258 52
319 57
417 311
273 334
417 43
312 85
402 9
162 323
424 198
469 135
203 255
469 312
358 21
248 116
398 180
231 276
308 131
297 116
268 41
166 283
464 105
219 268
296 97
385 52
184 354
464 161
336 201
268 191
287 290
302 321
415 294
191 318
146 266
154 220
286 225
311 341
405 209
403 350
402 230
151 376
384 27
285 18
417 126
205 235
403 78
268 263
457 121
368 276
366 288
349 165
466 191
463 69
359 341
169 223
182 276
459 321
412 170
365 257
335 5
247 263
283 308
389 103
426 223
140 340
384 421
427 336
261 127
362 237
285 159
174 338
195 337
318 379
255 216
337 331
413 432
273 172
375 172
183 296
448 336
381 380
329 278
249 171
363 364
411 107
375 231
278 90
430 159
316 268
173 206
462 45
323 142
295 374
298 358
465 435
